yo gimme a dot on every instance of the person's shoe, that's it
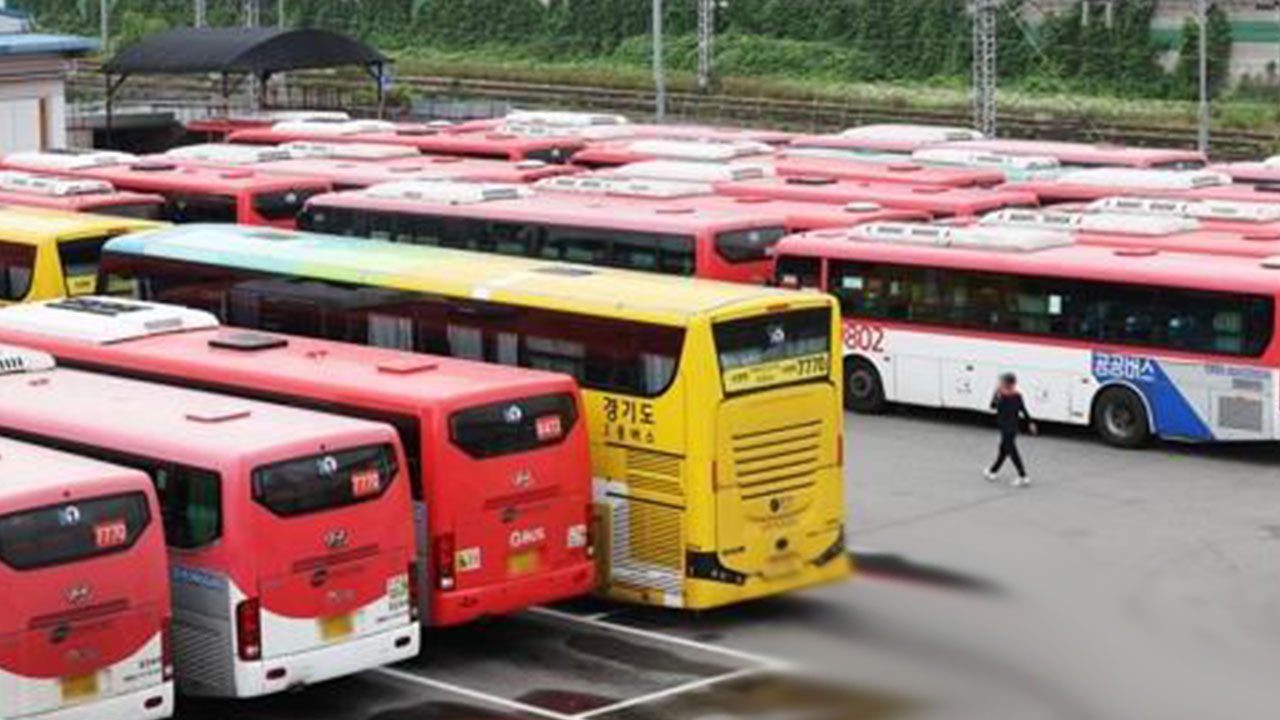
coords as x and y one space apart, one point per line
1022 482
990 476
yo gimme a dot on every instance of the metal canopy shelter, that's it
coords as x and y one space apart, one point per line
242 52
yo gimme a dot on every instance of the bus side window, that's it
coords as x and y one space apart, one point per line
191 501
17 268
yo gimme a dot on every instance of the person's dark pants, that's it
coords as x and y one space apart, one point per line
1009 450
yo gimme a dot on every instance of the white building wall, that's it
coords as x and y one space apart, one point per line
32 105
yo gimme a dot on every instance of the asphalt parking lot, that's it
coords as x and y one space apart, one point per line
1120 585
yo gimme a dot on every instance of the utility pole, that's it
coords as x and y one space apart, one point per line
104 10
255 86
659 71
280 13
706 40
984 66
1202 140
202 16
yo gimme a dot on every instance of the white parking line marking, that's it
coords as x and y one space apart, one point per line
766 662
663 694
473 694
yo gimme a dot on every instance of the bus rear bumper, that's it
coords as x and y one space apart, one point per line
273 675
151 703
461 606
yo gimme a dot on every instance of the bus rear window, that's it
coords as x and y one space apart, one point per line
80 260
72 532
509 427
326 481
140 211
192 208
752 245
284 204
17 265
774 349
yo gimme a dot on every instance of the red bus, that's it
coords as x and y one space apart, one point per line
1095 184
445 410
218 128
91 196
623 152
1246 218
345 173
672 237
85 611
1261 172
426 138
795 216
286 565
939 202
886 139
1139 232
599 127
1086 155
192 193
1134 344
905 172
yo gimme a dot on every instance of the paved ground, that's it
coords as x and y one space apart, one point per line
1124 585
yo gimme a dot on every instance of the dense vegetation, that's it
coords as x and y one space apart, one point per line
805 40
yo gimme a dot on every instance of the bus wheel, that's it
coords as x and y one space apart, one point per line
863 390
1120 418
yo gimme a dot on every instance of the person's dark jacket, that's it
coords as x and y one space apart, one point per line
1010 411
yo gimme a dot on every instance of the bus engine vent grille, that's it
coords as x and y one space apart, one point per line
785 455
205 654
654 472
646 544
1240 413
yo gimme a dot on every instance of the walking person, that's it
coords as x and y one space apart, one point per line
1010 412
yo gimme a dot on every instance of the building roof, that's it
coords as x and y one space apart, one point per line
43 44
240 50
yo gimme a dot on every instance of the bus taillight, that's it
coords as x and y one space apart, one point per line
414 593
249 630
445 560
166 648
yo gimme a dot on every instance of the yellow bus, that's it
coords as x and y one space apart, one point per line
714 409
47 254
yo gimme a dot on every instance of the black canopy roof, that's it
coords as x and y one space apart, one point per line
257 51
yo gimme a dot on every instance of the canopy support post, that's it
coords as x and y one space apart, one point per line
111 88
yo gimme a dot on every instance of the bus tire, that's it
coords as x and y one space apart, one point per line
863 389
1120 418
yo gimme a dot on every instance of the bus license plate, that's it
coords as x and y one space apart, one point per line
337 627
79 688
522 563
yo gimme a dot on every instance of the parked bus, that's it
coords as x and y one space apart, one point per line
287 563
1257 172
364 168
502 508
939 202
1013 167
713 409
218 128
1135 343
192 193
1086 155
673 228
426 138
905 172
888 139
51 254
91 196
1246 218
1138 232
623 152
85 611
1098 183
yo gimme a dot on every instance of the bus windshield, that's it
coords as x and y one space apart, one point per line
316 483
191 208
80 263
774 349
69 532
282 205
140 211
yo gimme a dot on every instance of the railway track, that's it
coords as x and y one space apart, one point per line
805 115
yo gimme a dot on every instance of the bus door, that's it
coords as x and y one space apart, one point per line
771 446
510 520
337 566
80 614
